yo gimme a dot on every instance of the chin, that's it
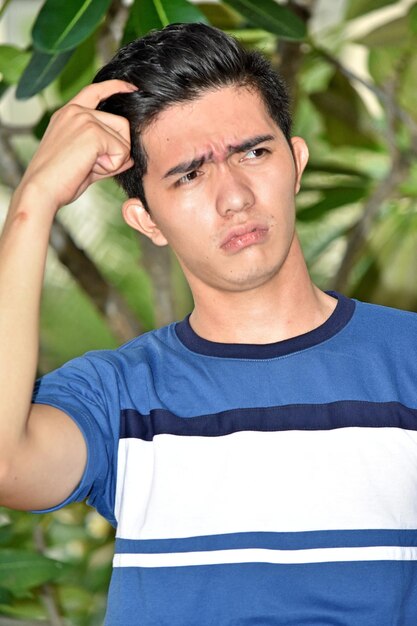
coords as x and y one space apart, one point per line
237 280
249 280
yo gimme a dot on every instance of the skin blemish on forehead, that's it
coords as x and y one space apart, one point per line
218 154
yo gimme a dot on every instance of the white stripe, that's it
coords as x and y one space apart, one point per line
343 479
260 555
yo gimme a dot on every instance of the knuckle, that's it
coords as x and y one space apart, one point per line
89 123
74 109
69 110
55 115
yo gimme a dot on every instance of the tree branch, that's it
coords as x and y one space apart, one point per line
10 130
372 207
4 7
5 621
290 53
385 98
122 322
112 30
400 164
157 262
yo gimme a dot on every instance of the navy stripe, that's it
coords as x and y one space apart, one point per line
345 414
337 321
272 541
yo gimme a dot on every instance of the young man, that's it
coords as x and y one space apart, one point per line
259 458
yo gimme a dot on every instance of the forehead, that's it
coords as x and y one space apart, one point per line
209 124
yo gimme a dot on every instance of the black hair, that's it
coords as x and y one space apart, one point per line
177 64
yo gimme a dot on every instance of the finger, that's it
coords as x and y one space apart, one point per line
102 171
92 95
74 121
115 123
113 143
111 164
113 151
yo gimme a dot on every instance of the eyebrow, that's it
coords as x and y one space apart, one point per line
194 164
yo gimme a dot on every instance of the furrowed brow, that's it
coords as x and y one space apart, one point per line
186 166
195 164
250 143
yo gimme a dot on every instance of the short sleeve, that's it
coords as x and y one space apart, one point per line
80 389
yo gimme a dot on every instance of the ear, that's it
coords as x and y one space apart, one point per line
300 154
137 217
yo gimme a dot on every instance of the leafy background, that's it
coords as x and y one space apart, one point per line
351 68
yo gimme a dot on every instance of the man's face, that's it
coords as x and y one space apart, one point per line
220 185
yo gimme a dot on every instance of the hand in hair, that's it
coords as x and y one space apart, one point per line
81 145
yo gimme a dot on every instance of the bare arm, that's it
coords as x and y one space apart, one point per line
42 451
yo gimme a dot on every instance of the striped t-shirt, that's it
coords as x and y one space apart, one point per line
255 485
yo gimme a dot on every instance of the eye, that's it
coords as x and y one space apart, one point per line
187 178
256 153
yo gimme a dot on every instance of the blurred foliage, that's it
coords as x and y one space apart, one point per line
357 212
73 570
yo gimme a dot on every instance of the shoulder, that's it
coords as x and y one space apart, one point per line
141 349
104 373
384 326
385 316
153 339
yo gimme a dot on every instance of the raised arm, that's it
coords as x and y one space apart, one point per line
42 451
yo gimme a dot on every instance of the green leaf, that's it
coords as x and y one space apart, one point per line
335 168
3 88
315 74
407 94
220 15
79 70
333 199
392 33
255 38
361 7
6 534
62 26
272 17
343 114
320 246
5 596
146 15
412 16
41 71
24 570
26 607
384 63
12 63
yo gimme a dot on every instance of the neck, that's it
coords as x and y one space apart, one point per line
286 306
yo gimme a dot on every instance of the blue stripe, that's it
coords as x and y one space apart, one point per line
344 414
272 541
261 594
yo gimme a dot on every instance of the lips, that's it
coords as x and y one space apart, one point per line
244 236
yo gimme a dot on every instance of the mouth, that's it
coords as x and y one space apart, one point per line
244 236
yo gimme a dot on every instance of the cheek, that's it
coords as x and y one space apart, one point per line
276 189
186 231
177 215
191 212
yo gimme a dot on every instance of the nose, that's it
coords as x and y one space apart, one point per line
234 193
